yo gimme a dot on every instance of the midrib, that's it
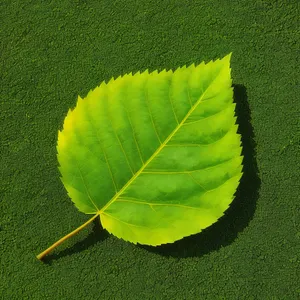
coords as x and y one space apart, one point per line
156 152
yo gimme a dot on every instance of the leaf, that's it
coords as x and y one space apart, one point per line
155 155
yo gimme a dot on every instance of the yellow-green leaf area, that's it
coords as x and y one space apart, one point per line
156 155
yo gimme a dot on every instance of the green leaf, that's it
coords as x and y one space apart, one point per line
155 155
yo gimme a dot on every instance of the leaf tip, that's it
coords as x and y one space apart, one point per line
227 57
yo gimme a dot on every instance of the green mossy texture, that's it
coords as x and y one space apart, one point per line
51 52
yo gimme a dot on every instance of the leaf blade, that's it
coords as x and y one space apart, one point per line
161 136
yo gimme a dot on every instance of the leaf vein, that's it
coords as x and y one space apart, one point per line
186 172
105 157
127 199
148 107
188 93
133 133
111 216
155 153
200 120
84 183
120 143
202 145
170 99
191 176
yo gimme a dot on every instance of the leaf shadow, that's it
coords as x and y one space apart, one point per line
241 210
95 236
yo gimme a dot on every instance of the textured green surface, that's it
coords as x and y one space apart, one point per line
50 53
156 156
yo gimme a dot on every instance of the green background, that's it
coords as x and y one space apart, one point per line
52 51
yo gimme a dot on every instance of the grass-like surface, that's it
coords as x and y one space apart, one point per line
51 51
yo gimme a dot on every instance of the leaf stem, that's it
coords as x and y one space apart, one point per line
47 251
